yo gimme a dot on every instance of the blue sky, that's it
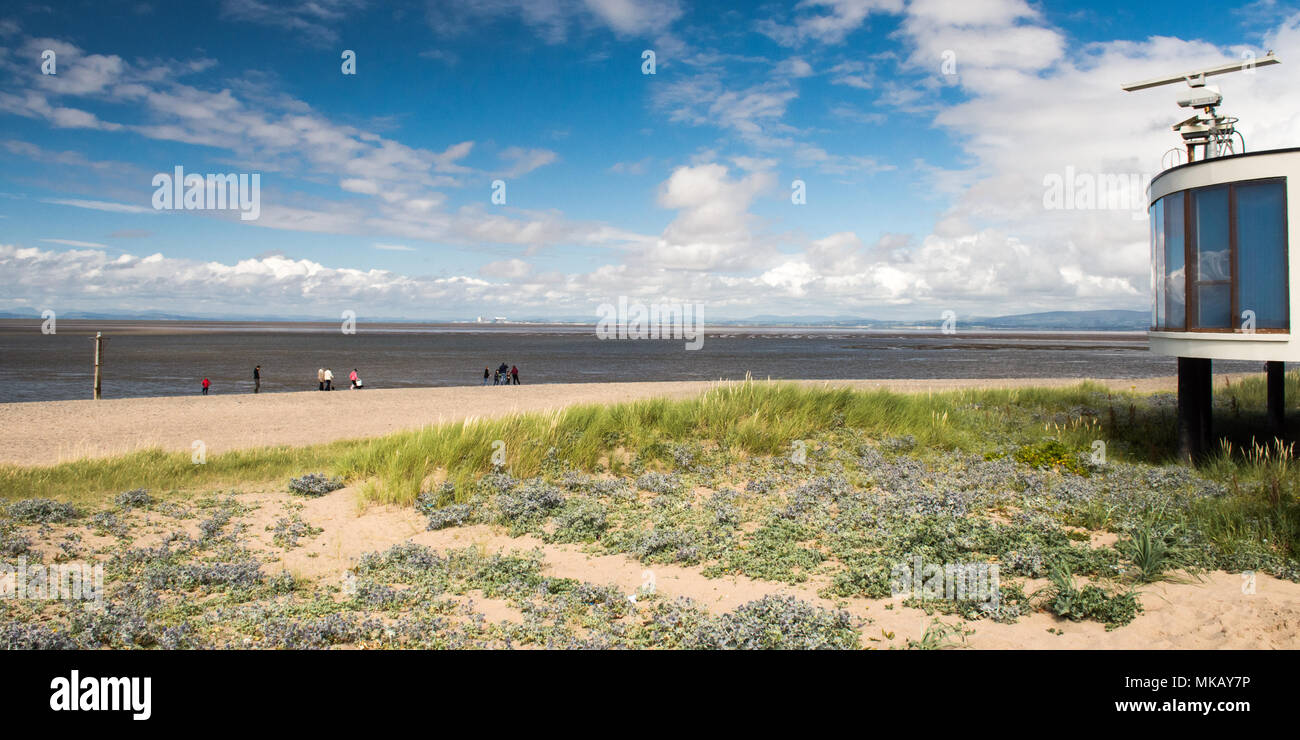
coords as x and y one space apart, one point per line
924 186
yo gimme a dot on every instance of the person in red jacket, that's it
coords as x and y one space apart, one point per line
206 383
514 374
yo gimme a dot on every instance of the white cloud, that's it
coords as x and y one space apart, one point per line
74 243
359 185
753 112
852 74
314 20
981 35
512 269
826 21
554 20
66 157
713 227
100 205
635 17
526 160
794 67
273 283
631 168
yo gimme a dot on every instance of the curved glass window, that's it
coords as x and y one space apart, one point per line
1261 253
1175 256
1219 258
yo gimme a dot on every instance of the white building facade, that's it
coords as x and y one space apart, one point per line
1224 285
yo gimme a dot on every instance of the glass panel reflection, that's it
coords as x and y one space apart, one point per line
1261 253
1175 274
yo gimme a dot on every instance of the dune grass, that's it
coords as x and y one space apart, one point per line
91 480
742 419
751 418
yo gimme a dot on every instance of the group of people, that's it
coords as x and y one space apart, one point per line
325 378
503 376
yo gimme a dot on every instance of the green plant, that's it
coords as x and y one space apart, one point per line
1065 599
1149 552
1051 453
940 636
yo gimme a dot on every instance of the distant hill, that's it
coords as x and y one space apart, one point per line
1105 320
140 316
1102 320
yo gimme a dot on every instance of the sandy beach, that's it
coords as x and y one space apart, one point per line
45 433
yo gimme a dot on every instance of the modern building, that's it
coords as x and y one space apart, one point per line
1223 282
1222 278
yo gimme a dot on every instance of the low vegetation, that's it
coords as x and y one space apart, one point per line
1073 494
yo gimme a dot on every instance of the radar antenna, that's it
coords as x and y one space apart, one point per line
1207 130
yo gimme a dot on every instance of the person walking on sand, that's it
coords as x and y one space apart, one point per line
329 379
257 379
514 373
354 378
320 378
206 383
486 375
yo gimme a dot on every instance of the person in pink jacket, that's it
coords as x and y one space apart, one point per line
356 379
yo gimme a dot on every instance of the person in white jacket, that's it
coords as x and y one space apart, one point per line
329 379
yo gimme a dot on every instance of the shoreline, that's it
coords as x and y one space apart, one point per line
51 432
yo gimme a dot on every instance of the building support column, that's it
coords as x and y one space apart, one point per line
1276 372
1195 408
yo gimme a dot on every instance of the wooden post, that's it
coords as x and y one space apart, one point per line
1206 389
1195 408
1276 372
99 354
